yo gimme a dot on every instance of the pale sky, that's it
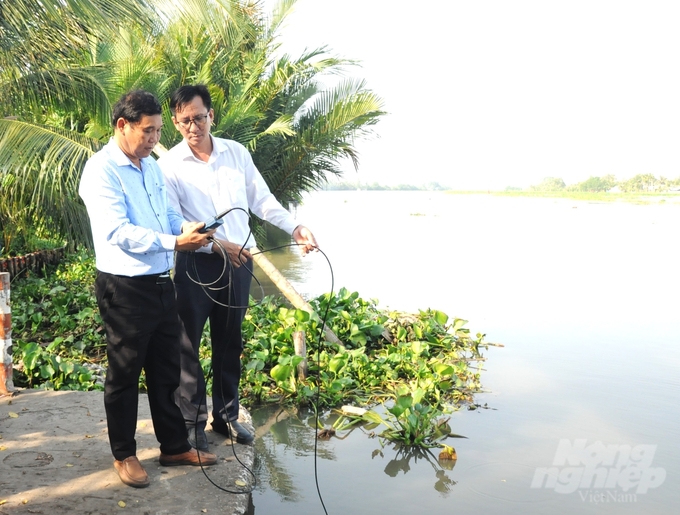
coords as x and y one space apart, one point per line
484 94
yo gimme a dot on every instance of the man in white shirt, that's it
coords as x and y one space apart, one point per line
206 176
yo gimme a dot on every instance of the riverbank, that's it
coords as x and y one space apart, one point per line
588 196
55 458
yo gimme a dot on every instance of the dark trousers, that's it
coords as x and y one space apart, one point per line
224 304
142 328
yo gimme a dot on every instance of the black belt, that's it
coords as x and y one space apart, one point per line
161 278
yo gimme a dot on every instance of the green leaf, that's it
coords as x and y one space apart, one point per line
359 338
301 316
85 313
377 330
337 363
281 372
404 402
418 395
67 367
458 324
440 317
46 371
55 343
443 369
31 354
372 416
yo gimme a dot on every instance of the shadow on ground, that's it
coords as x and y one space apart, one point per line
55 459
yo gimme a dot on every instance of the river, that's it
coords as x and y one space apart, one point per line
583 398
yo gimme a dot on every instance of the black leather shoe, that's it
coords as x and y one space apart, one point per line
233 427
197 438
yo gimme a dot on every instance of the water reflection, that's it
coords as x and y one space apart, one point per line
402 463
285 434
282 435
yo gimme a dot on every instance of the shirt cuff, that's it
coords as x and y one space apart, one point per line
168 241
205 250
289 225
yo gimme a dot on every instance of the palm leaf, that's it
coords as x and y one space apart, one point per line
46 164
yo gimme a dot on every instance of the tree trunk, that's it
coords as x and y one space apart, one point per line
300 350
287 289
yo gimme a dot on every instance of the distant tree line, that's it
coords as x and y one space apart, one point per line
346 186
639 183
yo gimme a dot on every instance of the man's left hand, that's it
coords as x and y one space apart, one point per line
305 239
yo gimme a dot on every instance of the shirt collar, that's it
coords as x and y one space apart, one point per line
119 156
219 146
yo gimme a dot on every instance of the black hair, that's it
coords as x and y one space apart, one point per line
185 94
135 104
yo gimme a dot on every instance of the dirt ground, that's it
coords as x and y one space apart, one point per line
55 459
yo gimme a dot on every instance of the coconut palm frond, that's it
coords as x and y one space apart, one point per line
63 63
41 168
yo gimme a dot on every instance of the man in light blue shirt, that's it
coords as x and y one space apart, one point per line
135 234
132 225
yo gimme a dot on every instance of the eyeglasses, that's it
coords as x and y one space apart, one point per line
199 121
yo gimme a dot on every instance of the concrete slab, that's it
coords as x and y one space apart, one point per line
55 459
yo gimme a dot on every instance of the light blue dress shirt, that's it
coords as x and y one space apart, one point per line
133 225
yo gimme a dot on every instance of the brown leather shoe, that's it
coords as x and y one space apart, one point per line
188 458
131 472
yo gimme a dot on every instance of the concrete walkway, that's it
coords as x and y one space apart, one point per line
55 459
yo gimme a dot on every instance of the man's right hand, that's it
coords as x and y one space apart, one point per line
191 239
237 255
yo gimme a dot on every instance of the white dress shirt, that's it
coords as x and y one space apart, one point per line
200 190
133 225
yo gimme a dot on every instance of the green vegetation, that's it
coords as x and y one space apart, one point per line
641 189
642 183
605 196
63 63
58 338
421 366
374 186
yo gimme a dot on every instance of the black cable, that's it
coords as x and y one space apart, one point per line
318 367
318 381
228 263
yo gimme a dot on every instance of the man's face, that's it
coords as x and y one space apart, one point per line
137 139
193 122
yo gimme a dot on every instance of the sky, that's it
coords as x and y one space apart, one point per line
486 94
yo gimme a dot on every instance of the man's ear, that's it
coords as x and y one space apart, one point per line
120 123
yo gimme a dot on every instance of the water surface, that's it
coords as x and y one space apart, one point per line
583 295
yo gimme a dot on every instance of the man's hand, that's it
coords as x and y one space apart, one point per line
235 253
305 239
191 239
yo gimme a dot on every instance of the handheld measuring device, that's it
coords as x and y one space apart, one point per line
214 222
